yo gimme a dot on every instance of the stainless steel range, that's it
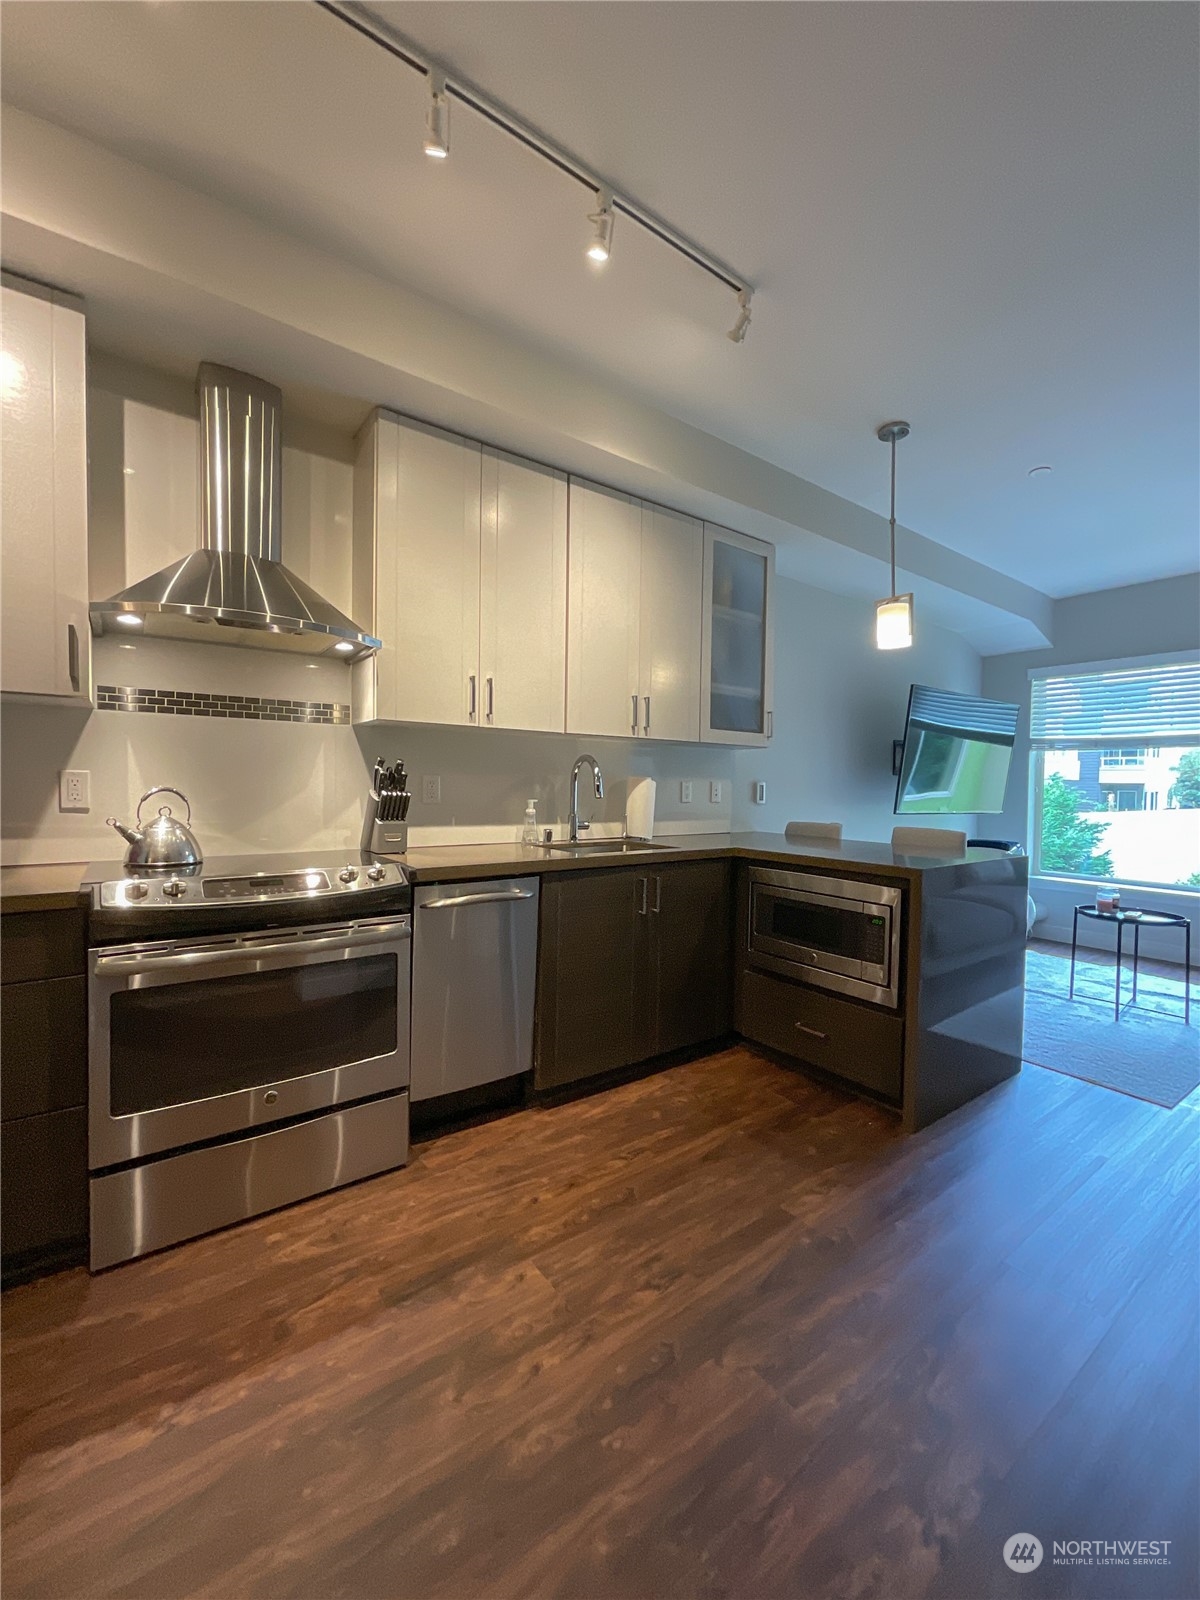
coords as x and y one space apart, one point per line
248 1039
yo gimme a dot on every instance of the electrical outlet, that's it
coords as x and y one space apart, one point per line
714 791
74 791
760 794
431 791
685 792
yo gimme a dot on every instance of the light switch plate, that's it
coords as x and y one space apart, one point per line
760 794
74 791
714 792
431 791
685 792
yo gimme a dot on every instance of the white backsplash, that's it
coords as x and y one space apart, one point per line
261 786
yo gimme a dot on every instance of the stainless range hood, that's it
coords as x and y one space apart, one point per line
235 589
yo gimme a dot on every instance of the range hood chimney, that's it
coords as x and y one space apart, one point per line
235 589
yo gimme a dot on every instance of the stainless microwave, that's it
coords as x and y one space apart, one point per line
832 932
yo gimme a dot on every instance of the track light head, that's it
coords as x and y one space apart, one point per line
437 119
602 220
742 321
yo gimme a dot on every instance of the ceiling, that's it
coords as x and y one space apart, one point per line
981 217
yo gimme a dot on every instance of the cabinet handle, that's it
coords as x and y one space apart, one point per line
647 698
657 906
73 655
491 696
770 724
814 1033
635 713
642 883
471 697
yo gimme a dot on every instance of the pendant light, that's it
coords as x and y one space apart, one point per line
893 616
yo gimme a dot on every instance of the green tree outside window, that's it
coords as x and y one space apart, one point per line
1069 841
1185 791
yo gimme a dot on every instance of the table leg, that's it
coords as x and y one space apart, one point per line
1137 935
1187 973
1117 999
1074 942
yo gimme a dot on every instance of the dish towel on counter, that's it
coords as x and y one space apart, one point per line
639 809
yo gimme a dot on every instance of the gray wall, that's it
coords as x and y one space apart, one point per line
839 703
1144 619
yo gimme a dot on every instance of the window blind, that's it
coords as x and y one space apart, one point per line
1151 705
963 714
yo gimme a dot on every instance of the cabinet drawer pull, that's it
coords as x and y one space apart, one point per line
471 697
642 885
491 697
814 1033
770 724
647 713
73 655
635 722
657 906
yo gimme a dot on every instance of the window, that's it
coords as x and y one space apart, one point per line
1127 756
1127 810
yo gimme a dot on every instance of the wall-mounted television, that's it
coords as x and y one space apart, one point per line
957 752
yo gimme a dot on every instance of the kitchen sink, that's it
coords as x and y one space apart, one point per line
611 847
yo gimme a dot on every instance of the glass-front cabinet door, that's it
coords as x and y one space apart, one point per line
738 640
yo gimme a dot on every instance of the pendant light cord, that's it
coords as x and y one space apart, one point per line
892 522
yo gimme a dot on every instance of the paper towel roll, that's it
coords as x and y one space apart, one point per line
639 809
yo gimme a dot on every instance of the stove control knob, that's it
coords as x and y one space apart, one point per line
348 874
376 874
174 887
136 891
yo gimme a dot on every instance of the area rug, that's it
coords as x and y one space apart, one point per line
1149 1053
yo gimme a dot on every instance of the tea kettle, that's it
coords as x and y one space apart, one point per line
165 842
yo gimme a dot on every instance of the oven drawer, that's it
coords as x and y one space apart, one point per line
856 1043
180 1197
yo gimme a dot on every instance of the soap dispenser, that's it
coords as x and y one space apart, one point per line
529 833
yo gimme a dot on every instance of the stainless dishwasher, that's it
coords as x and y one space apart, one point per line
474 971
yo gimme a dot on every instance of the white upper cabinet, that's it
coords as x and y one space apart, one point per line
417 503
46 643
461 563
634 617
738 644
671 589
510 596
604 612
523 595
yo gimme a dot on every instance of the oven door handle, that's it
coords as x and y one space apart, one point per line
251 950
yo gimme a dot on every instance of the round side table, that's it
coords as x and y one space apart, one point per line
1139 919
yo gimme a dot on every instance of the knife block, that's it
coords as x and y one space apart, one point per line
382 838
385 839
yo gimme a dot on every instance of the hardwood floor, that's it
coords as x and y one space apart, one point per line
720 1332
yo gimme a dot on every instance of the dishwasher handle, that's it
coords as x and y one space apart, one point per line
477 899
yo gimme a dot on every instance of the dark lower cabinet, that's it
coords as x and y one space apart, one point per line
43 1045
43 1093
632 963
862 1044
691 935
44 1192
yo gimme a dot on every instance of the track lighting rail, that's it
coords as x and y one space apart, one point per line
468 94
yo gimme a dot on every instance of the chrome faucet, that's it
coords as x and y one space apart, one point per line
573 823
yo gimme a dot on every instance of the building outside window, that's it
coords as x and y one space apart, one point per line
1127 807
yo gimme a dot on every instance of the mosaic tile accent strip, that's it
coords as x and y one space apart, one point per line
188 703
